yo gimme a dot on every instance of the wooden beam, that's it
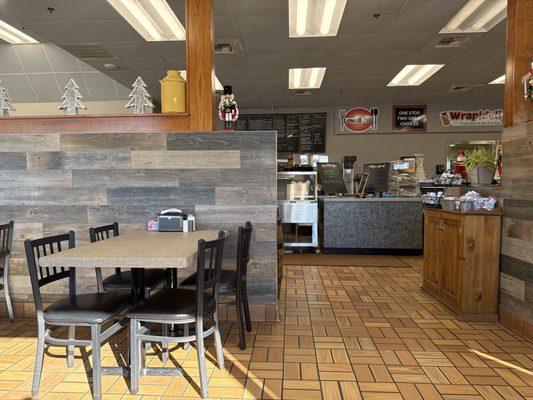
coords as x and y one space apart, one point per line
147 123
518 61
200 65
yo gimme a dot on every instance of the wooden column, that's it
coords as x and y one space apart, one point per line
200 64
518 61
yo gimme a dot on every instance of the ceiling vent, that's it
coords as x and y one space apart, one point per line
302 92
463 88
232 46
87 50
451 42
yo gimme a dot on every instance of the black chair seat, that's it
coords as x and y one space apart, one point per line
171 304
86 308
152 278
228 280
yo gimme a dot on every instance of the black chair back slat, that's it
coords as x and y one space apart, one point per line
6 239
104 232
35 249
243 252
208 269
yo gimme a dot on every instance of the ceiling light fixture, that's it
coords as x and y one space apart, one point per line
311 18
218 85
153 19
498 81
414 75
477 16
13 35
306 78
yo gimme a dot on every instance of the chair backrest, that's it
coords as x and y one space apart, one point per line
102 233
243 252
39 276
6 239
208 269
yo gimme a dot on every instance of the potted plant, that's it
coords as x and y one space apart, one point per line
480 163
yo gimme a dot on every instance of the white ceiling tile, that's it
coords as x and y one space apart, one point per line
312 45
405 41
147 63
19 88
254 7
367 24
421 23
346 59
265 46
230 61
33 58
221 9
61 60
130 49
347 43
263 26
100 86
169 49
225 28
308 60
98 64
31 11
62 32
45 87
374 6
82 10
10 62
423 6
115 30
385 57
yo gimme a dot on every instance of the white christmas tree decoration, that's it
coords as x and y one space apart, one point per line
71 99
5 101
139 97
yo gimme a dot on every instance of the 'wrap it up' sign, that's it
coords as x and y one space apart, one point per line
452 118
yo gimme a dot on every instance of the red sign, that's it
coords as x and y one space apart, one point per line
359 119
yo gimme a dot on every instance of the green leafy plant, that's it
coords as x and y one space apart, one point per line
480 157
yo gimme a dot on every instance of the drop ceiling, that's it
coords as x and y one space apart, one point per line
376 39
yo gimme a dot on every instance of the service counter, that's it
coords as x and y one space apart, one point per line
371 225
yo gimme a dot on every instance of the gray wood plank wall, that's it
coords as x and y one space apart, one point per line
516 272
51 184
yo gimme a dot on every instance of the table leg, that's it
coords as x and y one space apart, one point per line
137 285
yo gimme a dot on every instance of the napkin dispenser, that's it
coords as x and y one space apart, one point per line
171 220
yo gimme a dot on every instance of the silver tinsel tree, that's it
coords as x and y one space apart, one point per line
139 97
5 101
71 99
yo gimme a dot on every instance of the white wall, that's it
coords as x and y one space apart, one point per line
388 145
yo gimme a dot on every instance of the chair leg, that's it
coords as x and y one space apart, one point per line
135 357
239 305
187 345
218 343
39 357
97 362
8 297
200 350
70 348
164 346
246 309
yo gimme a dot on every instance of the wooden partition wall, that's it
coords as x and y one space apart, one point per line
200 115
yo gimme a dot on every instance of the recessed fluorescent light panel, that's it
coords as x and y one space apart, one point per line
311 18
477 16
306 78
498 81
414 75
13 35
218 85
153 19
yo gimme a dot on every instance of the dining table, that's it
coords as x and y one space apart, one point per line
137 251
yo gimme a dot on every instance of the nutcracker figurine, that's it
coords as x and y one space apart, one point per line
227 109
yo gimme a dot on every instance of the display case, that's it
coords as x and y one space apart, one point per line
298 207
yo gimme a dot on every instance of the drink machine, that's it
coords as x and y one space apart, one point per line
348 173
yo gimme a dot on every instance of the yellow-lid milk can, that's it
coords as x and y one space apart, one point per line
173 93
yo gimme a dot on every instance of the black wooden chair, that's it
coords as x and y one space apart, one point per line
233 288
6 239
180 306
90 310
121 280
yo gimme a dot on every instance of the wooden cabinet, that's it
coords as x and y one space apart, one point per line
461 261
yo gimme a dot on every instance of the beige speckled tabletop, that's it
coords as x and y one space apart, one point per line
140 249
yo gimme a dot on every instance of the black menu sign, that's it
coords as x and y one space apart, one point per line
297 133
409 118
378 177
330 177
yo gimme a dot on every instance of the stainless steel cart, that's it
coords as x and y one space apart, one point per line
298 208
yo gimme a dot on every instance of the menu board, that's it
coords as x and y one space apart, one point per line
330 177
297 133
409 118
378 177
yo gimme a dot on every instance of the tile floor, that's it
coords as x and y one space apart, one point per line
345 333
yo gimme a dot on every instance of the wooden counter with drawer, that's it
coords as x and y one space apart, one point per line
461 261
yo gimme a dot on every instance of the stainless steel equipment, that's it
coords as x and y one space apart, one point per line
348 173
298 207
